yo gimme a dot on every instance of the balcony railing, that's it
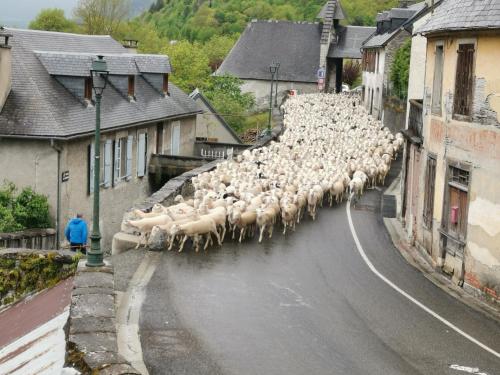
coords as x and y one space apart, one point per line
415 121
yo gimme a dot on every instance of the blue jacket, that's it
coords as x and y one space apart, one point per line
76 231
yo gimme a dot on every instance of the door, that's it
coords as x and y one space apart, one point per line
159 138
176 138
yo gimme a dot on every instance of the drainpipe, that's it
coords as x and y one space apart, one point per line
58 204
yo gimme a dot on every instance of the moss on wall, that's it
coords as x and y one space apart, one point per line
24 272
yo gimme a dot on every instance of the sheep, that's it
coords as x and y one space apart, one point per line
265 220
194 229
146 225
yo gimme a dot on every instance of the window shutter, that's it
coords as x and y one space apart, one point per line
464 80
117 160
107 163
141 153
91 167
130 139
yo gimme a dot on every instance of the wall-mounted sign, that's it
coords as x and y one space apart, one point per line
321 73
65 176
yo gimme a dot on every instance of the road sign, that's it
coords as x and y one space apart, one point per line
321 81
321 73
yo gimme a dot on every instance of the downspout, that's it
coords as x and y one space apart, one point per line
58 204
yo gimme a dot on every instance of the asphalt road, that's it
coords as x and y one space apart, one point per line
307 303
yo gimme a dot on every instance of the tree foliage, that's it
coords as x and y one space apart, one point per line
351 72
26 210
102 16
53 19
400 70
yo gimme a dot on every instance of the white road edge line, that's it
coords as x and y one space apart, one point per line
402 292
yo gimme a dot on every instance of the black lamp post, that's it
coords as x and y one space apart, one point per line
99 73
276 94
273 68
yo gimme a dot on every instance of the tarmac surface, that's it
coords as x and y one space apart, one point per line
306 303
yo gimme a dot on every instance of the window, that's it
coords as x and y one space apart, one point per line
430 179
105 166
456 202
123 159
437 86
88 88
165 84
159 138
142 157
369 60
131 86
464 79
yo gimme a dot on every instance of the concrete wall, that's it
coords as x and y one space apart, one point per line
475 144
209 126
36 166
5 73
262 89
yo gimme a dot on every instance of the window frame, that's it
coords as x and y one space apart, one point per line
131 86
459 116
437 108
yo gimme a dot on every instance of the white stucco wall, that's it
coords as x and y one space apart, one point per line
374 81
262 89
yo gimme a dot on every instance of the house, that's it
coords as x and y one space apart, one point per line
47 121
452 196
379 51
301 48
210 125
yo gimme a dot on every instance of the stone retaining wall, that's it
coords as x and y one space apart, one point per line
41 239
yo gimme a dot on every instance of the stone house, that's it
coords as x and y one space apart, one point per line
452 208
47 122
379 51
210 125
301 48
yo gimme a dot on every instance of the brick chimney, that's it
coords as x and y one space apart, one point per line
131 45
5 66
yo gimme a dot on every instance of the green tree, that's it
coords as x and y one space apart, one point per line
189 63
224 92
53 19
31 210
102 16
217 49
400 70
149 41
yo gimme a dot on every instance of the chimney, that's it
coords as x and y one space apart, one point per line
130 45
5 66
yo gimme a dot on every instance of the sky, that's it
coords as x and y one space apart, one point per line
19 13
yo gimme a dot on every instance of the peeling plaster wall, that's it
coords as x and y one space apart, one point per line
476 144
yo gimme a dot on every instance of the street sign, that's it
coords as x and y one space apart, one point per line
321 73
321 81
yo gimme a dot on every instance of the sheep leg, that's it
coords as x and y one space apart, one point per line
216 236
223 232
182 243
271 228
209 239
242 233
261 232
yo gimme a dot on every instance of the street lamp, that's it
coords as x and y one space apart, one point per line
276 95
99 74
273 68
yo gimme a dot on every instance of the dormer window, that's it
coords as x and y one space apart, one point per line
165 84
131 86
88 88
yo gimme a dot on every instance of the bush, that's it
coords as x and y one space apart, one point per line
351 72
27 210
400 70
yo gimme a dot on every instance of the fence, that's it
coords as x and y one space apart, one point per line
217 154
35 239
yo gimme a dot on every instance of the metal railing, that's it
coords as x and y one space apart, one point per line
217 154
415 120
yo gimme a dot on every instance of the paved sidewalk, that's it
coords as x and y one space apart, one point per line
424 263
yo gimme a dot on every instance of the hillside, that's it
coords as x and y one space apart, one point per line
199 20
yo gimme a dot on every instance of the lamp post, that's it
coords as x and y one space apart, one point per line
99 73
276 86
272 68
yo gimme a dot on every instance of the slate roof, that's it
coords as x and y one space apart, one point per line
380 40
39 106
196 94
294 44
454 15
350 40
338 13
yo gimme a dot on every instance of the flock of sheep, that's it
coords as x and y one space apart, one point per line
331 147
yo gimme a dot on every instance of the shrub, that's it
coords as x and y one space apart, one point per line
400 70
351 72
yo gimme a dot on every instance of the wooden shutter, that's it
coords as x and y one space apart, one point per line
131 85
141 153
130 139
437 86
117 161
108 162
91 167
430 179
462 103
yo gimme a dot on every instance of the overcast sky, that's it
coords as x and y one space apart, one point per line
18 13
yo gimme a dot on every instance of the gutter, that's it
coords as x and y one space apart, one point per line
58 204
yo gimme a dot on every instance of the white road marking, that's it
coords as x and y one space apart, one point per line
402 292
470 370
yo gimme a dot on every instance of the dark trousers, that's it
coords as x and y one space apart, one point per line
78 247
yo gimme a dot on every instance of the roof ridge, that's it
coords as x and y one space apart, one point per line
57 32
